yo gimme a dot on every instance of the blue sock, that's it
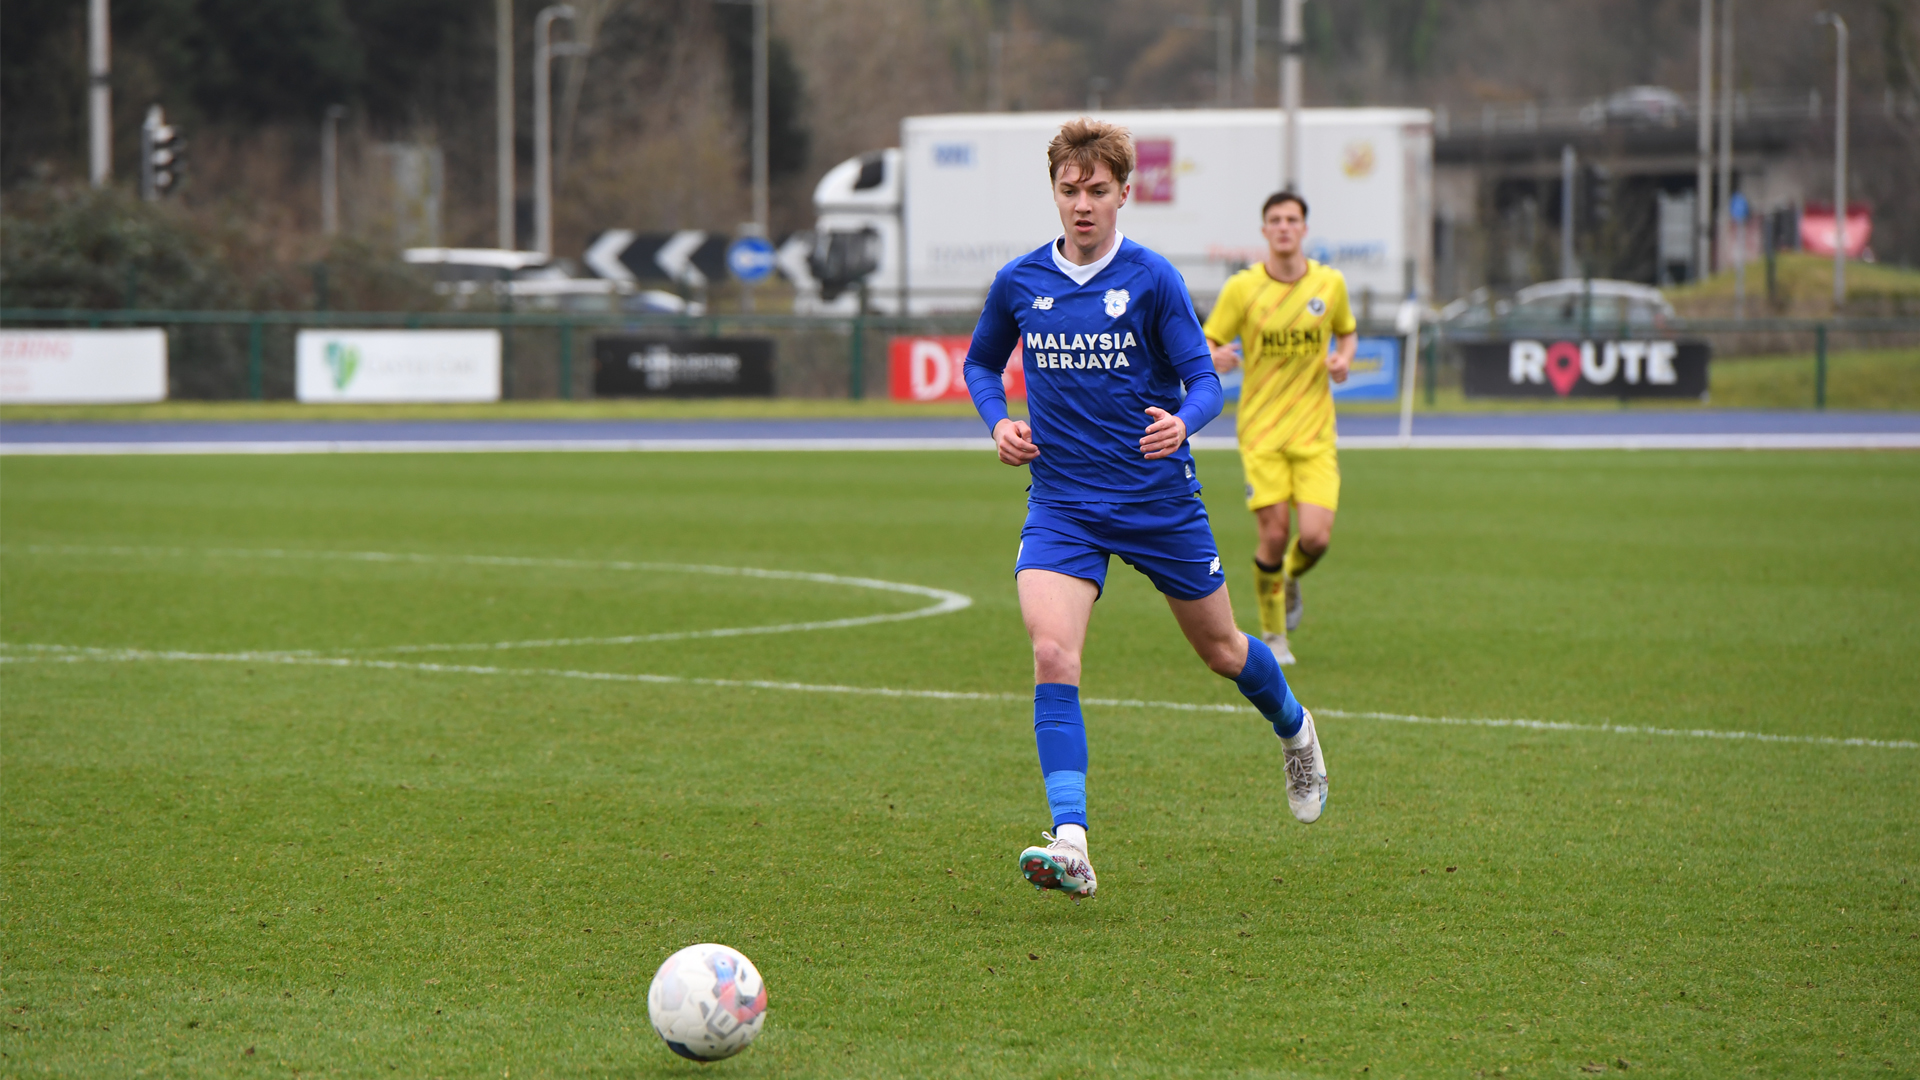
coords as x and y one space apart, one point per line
1061 737
1263 685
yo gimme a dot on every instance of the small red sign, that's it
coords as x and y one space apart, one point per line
929 369
1153 171
1816 229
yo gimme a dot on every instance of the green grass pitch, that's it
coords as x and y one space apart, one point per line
222 865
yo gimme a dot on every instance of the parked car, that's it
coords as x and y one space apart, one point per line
1646 105
1568 302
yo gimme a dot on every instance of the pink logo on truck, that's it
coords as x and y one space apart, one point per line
1153 171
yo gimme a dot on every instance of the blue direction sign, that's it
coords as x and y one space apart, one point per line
1737 207
750 258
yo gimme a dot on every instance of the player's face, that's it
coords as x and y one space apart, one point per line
1284 228
1089 204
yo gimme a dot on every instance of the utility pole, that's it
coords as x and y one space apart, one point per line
543 51
1725 217
1223 61
503 118
1290 48
330 169
760 117
99 95
1569 267
1839 157
1703 179
996 93
1249 46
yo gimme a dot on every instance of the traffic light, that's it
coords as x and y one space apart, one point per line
1599 197
840 260
163 155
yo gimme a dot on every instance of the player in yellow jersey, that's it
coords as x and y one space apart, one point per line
1291 320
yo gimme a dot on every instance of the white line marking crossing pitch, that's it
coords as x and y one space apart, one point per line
79 654
945 601
1885 440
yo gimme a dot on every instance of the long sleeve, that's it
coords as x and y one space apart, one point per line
1205 399
994 337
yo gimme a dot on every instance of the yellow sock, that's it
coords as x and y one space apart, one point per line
1269 587
1297 562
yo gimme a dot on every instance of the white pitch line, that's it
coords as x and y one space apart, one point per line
1680 441
945 601
74 654
483 446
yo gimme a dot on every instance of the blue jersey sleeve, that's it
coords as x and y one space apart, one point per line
994 337
1185 347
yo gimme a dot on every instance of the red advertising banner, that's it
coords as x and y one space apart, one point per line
1816 229
929 369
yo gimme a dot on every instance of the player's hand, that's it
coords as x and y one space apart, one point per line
1225 357
1164 435
1014 439
1338 364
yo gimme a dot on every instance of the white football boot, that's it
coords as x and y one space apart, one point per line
1306 774
1293 604
1282 655
1059 865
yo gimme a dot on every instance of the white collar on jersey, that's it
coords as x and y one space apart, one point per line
1083 274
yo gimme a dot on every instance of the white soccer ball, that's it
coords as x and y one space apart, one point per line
707 1001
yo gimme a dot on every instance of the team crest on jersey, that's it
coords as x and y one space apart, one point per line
1044 303
1117 302
1317 306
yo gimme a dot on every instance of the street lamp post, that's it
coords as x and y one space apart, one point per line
544 51
503 121
760 166
1725 203
1291 47
330 169
1839 156
1703 180
99 96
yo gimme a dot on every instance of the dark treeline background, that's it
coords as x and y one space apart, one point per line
652 125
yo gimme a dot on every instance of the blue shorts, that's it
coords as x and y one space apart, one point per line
1168 540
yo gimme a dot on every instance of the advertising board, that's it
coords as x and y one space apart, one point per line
655 365
396 365
1548 368
928 368
68 367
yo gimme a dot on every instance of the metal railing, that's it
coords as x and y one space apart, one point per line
1595 114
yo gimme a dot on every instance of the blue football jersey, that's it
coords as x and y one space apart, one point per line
1095 357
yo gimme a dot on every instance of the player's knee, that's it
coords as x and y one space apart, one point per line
1054 662
1315 541
1224 657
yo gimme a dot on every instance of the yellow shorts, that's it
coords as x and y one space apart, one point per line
1286 476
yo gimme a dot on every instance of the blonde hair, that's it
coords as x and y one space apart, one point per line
1087 142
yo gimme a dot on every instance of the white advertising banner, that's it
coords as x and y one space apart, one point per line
70 367
397 365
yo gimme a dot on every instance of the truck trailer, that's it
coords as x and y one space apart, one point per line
963 194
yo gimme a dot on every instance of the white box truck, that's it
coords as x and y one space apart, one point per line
965 193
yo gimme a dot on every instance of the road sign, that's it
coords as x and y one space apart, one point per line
750 259
689 257
1737 207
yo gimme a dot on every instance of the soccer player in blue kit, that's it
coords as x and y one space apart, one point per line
1110 339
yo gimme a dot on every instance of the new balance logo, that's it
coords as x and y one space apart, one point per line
1044 303
1214 566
